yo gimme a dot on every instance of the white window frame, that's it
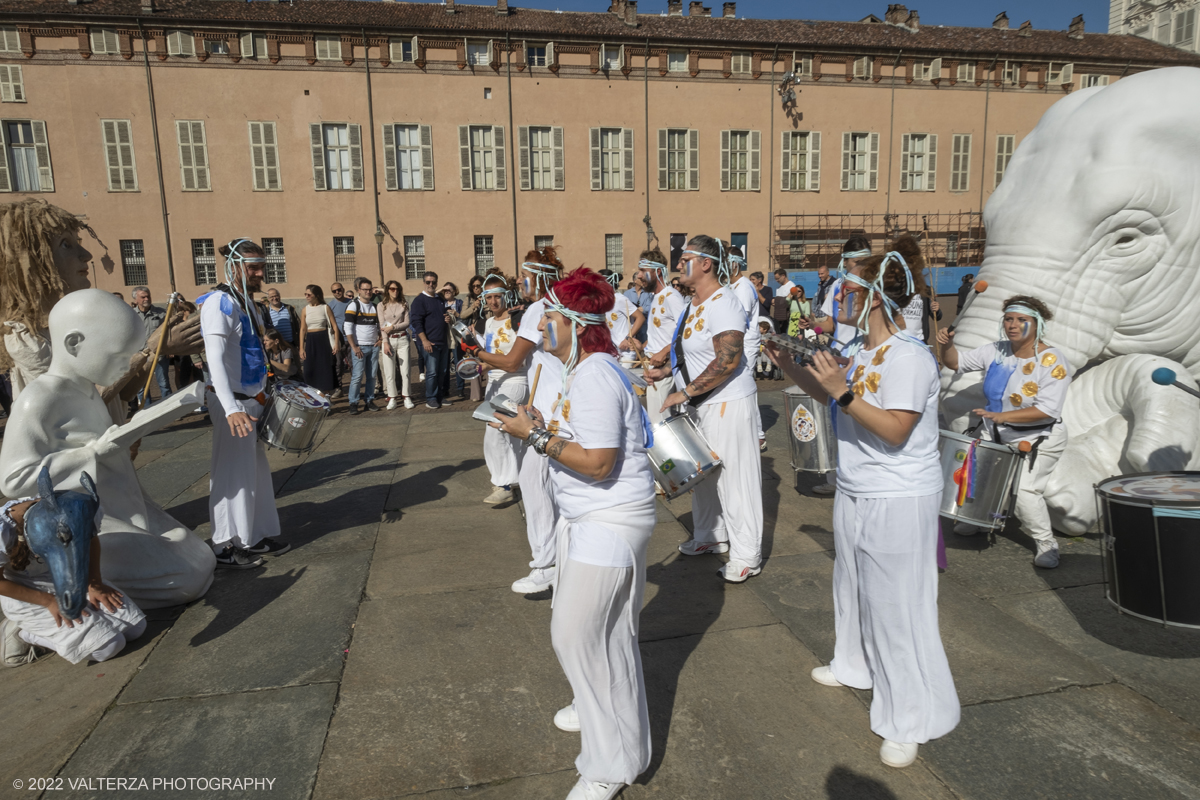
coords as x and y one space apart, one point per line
960 163
741 62
685 175
858 163
1011 76
485 253
1088 81
802 65
613 57
317 138
116 137
922 70
12 84
204 262
488 162
479 54
741 170
10 40
40 146
615 164
1183 29
133 257
677 60
338 173
253 45
264 157
216 47
1062 76
1006 143
533 59
614 252
540 149
396 46
791 176
275 269
193 156
541 242
181 43
345 262
414 258
965 72
328 48
863 68
393 158
104 41
918 162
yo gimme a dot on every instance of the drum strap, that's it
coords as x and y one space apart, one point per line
647 430
678 360
1033 450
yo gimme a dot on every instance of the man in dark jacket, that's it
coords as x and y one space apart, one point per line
964 291
428 315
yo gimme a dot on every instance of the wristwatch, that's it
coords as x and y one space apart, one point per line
846 399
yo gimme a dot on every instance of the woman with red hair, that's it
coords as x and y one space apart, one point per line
596 441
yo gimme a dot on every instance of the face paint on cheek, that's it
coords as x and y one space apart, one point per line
687 268
527 284
552 334
1025 329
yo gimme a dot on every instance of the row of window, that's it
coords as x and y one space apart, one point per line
345 268
182 43
337 158
1169 26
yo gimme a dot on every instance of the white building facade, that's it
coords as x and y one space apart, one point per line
1170 22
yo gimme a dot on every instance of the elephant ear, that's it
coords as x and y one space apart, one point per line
86 481
46 490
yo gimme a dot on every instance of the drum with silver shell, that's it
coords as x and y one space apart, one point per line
632 367
292 417
996 476
810 426
681 457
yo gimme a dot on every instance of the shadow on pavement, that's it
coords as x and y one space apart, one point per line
846 784
238 596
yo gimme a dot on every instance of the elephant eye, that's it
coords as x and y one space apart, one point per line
1125 240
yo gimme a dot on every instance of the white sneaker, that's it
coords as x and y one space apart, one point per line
15 651
1047 555
693 548
500 494
966 529
408 403
537 581
422 377
898 754
391 406
824 676
587 790
567 719
738 571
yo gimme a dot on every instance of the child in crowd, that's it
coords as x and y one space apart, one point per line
764 369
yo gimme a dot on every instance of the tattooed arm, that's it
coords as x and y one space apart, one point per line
596 464
728 347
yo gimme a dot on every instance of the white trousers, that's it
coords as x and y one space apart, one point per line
728 505
241 496
885 587
501 452
1030 504
656 395
539 509
397 361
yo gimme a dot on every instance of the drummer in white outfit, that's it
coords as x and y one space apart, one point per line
664 313
885 515
1025 383
604 489
538 273
501 453
748 295
716 383
625 319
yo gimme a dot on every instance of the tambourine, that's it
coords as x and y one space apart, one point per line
468 368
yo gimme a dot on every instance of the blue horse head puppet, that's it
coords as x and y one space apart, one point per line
59 531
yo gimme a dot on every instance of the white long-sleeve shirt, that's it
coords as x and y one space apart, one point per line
236 362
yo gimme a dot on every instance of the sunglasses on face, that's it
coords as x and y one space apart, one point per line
431 283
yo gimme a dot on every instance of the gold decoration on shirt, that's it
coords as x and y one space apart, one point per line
614 316
880 355
657 323
567 411
700 310
858 388
699 325
1059 372
1028 368
1015 400
858 373
687 333
873 382
1030 389
1049 360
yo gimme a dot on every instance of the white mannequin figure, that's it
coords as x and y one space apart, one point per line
60 421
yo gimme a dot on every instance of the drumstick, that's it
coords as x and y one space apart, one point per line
980 287
158 350
1164 376
533 390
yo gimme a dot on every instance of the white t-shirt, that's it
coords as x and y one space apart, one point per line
618 319
899 375
748 296
599 413
499 337
719 313
914 325
550 378
1016 383
663 315
842 334
785 290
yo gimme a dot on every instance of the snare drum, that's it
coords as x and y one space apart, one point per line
680 457
1150 545
814 444
996 470
292 417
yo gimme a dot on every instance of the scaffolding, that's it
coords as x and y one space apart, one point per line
809 241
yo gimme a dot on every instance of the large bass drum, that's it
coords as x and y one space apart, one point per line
1150 545
292 417
810 427
681 457
994 471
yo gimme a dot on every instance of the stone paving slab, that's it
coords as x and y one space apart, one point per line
334 520
1081 743
273 734
422 707
1004 566
992 656
441 485
304 610
456 445
1161 663
446 422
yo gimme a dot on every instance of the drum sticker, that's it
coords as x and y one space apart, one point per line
804 427
296 422
667 466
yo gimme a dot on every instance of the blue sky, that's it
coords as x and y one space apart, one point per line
1047 14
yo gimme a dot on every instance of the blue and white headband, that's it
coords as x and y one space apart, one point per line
501 289
723 273
852 254
876 287
661 270
542 271
578 318
236 258
1029 311
739 260
614 280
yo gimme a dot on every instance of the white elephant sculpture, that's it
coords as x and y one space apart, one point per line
1098 215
